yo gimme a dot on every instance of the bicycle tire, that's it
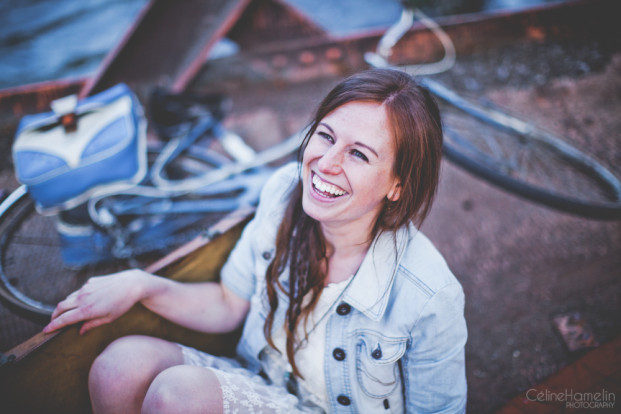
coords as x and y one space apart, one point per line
29 245
525 160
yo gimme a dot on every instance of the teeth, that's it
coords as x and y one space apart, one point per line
327 188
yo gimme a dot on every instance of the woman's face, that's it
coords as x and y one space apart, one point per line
347 167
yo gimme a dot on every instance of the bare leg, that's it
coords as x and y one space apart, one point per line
121 375
184 389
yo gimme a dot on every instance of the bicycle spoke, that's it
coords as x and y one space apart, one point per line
557 170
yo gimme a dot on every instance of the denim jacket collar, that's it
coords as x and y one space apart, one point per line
370 289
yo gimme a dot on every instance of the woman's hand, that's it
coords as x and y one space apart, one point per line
101 300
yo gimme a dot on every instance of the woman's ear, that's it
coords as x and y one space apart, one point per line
395 191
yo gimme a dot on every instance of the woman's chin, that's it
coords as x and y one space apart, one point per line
316 208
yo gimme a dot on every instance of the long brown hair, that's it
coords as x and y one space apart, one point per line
415 125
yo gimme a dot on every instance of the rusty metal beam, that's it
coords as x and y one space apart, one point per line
168 43
304 59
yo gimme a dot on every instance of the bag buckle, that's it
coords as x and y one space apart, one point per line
65 108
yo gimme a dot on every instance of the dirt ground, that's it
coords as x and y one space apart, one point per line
521 264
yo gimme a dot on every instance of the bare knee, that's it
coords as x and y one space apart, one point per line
184 389
121 374
124 361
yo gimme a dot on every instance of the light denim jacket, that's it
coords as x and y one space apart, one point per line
394 342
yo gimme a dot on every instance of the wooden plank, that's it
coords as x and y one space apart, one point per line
167 45
271 21
50 372
188 249
33 98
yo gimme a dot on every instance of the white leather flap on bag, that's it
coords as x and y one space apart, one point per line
70 146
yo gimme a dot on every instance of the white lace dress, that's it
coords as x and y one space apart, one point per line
246 392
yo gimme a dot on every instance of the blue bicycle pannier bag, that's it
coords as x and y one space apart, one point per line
66 155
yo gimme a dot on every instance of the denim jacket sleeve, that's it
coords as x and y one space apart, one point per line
250 256
434 365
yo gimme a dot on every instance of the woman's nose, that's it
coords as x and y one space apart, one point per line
331 162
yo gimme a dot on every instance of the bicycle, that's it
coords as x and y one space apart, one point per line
504 150
198 173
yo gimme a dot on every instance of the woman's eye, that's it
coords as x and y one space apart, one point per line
359 154
326 136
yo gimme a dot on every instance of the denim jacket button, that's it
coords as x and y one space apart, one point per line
338 354
267 255
343 309
343 400
377 354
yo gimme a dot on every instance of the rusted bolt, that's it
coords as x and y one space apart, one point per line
333 53
307 58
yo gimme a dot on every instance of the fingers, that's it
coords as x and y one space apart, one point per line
59 323
65 305
93 323
54 325
95 303
71 310
75 315
75 299
64 318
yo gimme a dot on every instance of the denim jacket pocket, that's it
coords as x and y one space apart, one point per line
377 363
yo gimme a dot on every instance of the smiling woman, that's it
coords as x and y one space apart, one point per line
347 167
369 171
346 305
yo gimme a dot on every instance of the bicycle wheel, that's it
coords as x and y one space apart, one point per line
33 275
525 160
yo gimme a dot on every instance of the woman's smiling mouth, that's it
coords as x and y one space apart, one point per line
326 189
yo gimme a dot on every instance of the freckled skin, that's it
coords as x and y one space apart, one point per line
353 150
